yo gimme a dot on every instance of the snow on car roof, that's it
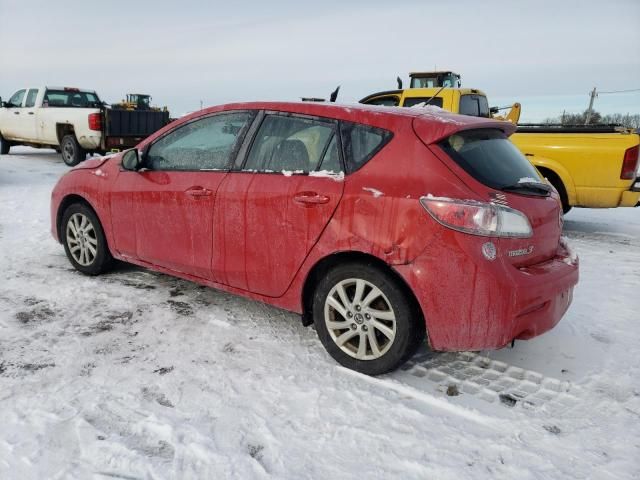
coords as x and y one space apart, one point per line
437 123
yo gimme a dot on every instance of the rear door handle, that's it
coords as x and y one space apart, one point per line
197 192
16 113
310 198
30 113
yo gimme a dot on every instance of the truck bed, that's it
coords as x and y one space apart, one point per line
557 128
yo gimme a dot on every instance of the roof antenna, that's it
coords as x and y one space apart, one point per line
399 80
334 94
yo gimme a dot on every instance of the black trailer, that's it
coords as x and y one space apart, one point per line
124 129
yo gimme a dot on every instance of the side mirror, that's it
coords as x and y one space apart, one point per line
131 160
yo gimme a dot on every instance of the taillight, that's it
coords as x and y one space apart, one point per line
478 218
95 121
630 163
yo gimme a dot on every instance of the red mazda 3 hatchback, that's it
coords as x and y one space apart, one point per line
381 226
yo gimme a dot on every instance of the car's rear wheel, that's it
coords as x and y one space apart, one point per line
5 146
72 152
84 240
365 319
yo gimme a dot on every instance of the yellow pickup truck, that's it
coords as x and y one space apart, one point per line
590 166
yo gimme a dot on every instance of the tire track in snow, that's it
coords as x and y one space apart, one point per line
489 380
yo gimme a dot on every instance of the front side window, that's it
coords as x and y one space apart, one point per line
389 101
204 144
489 157
474 105
290 144
31 98
16 98
361 143
435 101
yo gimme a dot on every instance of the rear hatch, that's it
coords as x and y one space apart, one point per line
491 166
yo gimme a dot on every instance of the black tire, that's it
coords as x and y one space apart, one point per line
409 324
4 146
72 152
101 260
559 186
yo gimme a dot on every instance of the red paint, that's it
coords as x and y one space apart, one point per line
260 234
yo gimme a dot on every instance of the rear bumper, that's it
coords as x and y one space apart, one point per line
631 198
470 303
121 143
90 142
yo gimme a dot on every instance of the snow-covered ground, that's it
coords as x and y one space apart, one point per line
137 375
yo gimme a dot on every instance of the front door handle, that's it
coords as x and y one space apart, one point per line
198 192
16 113
310 198
30 113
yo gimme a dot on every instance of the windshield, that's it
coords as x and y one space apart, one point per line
489 157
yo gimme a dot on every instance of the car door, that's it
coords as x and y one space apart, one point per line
12 124
274 208
163 213
28 116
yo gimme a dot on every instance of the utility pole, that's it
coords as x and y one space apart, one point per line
590 109
200 104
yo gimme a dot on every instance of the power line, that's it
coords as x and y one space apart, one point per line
622 91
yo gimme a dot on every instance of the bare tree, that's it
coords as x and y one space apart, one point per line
624 119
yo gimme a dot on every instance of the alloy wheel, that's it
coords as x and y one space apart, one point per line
360 319
81 239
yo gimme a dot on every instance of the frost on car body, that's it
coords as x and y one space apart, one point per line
274 201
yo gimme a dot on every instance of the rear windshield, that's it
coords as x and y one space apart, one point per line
489 157
70 99
474 105
411 101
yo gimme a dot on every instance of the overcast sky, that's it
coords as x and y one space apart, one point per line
548 54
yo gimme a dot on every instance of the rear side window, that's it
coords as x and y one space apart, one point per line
31 98
435 101
489 157
474 105
290 144
360 143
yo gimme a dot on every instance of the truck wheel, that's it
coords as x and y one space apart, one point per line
72 152
365 320
559 186
4 146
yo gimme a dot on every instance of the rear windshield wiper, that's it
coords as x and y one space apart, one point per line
529 188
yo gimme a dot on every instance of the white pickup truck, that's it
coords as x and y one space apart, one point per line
73 121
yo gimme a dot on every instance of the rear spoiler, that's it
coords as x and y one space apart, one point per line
439 124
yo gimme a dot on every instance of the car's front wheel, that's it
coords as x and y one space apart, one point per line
5 146
84 240
365 319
